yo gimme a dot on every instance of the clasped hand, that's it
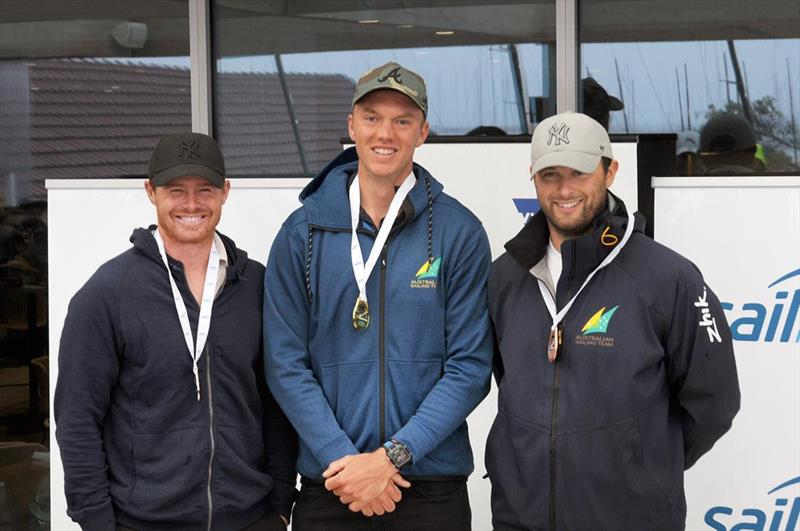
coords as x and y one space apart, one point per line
367 483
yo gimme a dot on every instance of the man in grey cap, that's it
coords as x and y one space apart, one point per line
614 360
163 416
377 332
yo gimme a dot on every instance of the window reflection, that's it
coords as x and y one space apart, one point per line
285 76
86 90
676 67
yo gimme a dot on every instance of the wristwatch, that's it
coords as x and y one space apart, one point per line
398 454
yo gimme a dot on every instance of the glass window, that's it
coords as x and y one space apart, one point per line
285 74
677 65
86 90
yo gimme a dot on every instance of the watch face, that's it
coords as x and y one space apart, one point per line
403 457
399 455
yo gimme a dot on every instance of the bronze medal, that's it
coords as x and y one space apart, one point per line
553 343
361 314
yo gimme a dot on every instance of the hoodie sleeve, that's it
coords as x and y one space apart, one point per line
88 368
287 362
702 368
280 449
468 365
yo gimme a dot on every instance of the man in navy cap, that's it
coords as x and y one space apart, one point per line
163 416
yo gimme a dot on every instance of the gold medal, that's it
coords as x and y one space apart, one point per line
553 342
361 314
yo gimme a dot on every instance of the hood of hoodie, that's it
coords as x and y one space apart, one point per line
143 241
529 246
326 199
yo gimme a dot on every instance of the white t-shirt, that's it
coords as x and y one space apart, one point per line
553 264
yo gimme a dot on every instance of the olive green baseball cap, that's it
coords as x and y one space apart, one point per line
393 76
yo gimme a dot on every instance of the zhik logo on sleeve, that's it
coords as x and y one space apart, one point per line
707 321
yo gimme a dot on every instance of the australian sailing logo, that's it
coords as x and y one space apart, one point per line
559 132
428 274
593 332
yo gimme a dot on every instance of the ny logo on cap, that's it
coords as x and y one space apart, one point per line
189 149
393 73
558 132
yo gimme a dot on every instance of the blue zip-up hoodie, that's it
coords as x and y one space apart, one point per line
423 363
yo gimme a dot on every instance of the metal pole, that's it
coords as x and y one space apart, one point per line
678 92
727 83
619 84
290 108
791 111
567 55
201 68
519 88
740 84
688 112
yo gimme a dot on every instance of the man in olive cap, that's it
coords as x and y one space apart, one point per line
378 338
163 417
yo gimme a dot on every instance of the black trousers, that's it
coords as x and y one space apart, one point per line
269 522
426 506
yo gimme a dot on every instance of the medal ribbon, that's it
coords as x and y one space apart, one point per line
548 297
361 271
207 302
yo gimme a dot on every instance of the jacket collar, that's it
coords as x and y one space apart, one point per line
143 241
326 201
581 254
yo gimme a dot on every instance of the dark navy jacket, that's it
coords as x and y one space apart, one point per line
645 383
423 363
136 445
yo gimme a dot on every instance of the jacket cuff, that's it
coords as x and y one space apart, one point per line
281 498
410 436
100 519
336 449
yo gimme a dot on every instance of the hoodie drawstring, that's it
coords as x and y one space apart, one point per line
310 243
308 261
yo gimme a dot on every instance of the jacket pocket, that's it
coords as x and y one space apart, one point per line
408 382
602 482
516 463
240 481
351 389
171 474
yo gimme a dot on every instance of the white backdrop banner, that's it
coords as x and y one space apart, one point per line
744 235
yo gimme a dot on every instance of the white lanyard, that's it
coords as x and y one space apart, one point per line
554 340
207 302
361 271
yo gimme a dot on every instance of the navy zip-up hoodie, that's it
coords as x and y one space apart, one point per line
423 363
137 447
644 384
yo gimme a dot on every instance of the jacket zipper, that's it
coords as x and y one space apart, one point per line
382 347
553 425
381 323
210 435
554 417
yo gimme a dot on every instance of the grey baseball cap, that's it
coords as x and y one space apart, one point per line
569 139
687 142
187 154
394 76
